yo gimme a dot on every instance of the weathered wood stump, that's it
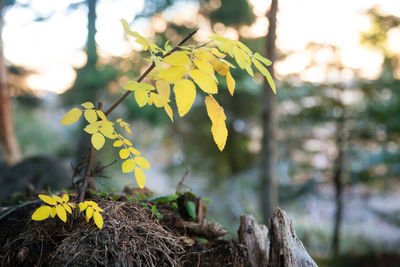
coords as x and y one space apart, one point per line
279 247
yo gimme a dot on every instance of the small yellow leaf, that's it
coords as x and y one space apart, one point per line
82 206
48 199
124 153
91 203
53 212
134 151
98 141
101 115
217 53
61 213
140 177
92 128
98 219
41 213
185 94
264 60
65 198
128 130
142 163
204 66
57 198
89 212
141 96
108 130
220 134
97 208
177 59
67 208
117 143
87 105
205 81
128 165
126 141
259 66
72 116
203 54
220 67
163 88
230 82
172 74
90 115
72 205
168 110
214 110
270 81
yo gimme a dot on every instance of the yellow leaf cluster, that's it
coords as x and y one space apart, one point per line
92 210
59 206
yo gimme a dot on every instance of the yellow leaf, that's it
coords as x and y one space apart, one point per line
240 57
98 219
270 81
124 153
128 165
134 151
61 213
48 199
203 54
204 66
264 60
220 67
204 81
168 110
57 198
163 88
72 205
87 105
67 208
65 198
157 99
177 59
90 115
142 163
117 143
53 212
101 115
220 134
217 53
97 208
259 66
41 213
128 129
82 206
230 82
214 110
172 74
107 130
141 96
92 203
185 94
92 128
140 177
126 141
98 141
89 212
128 30
72 116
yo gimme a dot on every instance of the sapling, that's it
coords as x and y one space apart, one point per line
189 71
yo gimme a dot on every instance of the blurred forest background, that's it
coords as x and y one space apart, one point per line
326 148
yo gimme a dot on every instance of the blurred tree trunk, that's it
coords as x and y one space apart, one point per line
91 49
269 192
339 186
9 140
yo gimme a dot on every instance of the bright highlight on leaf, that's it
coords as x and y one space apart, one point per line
185 94
72 116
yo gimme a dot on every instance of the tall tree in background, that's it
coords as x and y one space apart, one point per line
268 180
9 140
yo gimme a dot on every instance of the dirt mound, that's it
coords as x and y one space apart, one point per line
132 235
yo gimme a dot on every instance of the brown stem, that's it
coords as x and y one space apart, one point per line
82 188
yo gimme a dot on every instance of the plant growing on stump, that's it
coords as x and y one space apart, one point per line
178 69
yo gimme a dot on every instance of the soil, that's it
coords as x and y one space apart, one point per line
132 235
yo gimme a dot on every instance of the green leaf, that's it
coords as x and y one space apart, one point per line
264 60
270 81
191 209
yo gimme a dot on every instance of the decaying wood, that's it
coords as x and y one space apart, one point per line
255 238
208 231
286 250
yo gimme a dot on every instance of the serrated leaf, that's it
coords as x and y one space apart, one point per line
185 94
124 153
41 213
134 151
82 206
270 81
169 112
214 110
172 74
65 198
61 213
57 198
204 81
142 163
163 88
72 116
87 105
48 199
141 96
90 115
177 59
230 82
264 60
98 141
89 212
220 134
140 177
67 208
118 143
128 165
191 209
204 66
98 219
